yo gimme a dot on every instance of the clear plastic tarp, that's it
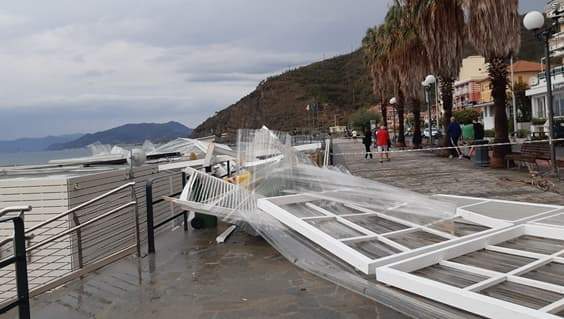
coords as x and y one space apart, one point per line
313 208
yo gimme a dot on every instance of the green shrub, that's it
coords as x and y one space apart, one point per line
466 116
489 133
361 118
538 121
522 133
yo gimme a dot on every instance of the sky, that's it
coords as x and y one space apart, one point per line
70 66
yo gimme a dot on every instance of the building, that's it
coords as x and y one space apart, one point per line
467 87
537 84
537 92
554 9
466 94
473 88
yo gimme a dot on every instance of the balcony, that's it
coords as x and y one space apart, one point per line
557 44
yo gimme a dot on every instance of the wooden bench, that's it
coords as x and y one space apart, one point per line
531 153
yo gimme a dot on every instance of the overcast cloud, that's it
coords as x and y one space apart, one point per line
71 66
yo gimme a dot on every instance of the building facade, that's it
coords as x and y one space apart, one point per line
538 88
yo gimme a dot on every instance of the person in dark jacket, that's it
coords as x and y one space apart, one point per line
479 132
367 141
453 134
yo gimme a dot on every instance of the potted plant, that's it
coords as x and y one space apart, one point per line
537 127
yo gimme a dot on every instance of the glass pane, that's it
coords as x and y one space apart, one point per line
373 249
334 228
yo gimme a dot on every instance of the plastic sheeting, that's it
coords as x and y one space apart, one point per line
274 169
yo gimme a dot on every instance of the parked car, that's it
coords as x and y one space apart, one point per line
436 133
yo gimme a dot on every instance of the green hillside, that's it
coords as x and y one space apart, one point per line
338 85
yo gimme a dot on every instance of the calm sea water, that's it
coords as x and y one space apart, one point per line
33 158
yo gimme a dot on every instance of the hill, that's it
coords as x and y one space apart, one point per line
339 85
34 144
129 134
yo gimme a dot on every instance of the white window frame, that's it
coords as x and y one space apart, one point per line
468 299
338 247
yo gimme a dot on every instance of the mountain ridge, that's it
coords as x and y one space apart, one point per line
35 144
132 133
340 85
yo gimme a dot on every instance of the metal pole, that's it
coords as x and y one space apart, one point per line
150 218
78 241
136 215
548 75
437 104
21 268
185 215
428 100
514 99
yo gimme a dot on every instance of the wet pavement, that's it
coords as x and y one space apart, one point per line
428 173
192 277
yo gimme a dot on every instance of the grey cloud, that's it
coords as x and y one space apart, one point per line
223 77
96 73
91 64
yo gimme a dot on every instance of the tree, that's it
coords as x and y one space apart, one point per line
396 55
524 107
466 116
440 25
361 118
494 30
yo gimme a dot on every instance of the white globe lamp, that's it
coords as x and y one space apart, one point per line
533 20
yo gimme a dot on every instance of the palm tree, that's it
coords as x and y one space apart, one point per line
411 60
440 25
494 30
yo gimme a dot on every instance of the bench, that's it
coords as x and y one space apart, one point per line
530 153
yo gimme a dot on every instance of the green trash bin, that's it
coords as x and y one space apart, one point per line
201 221
468 132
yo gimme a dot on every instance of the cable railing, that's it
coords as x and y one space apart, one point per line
150 203
19 260
75 242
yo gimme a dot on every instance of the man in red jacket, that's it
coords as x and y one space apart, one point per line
382 140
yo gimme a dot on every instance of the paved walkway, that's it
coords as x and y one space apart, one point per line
427 173
191 277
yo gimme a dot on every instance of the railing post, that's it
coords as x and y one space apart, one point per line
150 217
78 241
185 215
21 268
136 216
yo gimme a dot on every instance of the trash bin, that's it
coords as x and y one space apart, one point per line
481 155
201 221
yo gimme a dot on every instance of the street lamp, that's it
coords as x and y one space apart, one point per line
429 81
393 103
534 21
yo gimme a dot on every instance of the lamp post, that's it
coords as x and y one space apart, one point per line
534 21
393 102
429 81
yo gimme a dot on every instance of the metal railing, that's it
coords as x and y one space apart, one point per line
151 227
19 259
77 241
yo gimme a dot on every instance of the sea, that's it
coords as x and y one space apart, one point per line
42 157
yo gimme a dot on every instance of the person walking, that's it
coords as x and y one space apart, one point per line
382 142
453 134
367 141
479 132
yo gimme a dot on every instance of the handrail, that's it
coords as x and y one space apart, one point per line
19 259
72 210
151 227
69 231
13 209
